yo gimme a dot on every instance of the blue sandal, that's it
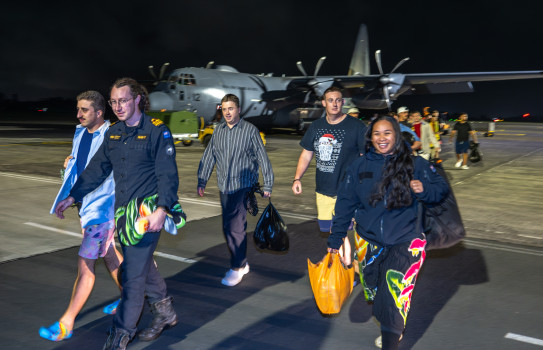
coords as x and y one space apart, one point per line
111 309
55 332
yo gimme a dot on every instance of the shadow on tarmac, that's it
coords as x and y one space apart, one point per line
443 272
42 283
199 298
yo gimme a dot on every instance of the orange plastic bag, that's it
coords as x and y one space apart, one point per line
331 282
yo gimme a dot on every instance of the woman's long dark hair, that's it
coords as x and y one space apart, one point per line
394 186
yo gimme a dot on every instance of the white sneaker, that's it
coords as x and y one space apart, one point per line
458 164
233 277
379 342
465 167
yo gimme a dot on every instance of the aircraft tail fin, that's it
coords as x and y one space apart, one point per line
360 61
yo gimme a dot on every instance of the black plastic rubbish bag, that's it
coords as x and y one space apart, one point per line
442 222
271 231
474 154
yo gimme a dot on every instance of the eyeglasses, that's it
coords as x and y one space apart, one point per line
122 102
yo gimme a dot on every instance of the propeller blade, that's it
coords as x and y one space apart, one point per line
163 70
319 65
152 71
378 61
301 68
306 97
399 64
210 64
386 94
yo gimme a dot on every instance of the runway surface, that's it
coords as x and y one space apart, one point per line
484 293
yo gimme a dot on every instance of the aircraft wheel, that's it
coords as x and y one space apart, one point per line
187 143
206 140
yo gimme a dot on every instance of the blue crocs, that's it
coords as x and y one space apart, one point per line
111 309
55 332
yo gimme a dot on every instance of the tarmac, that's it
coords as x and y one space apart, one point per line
483 293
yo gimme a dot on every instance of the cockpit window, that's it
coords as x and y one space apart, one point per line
189 80
186 79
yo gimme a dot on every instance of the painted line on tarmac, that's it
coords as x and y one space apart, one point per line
504 247
200 201
498 166
79 235
175 257
32 143
34 178
218 205
524 339
528 236
184 199
54 229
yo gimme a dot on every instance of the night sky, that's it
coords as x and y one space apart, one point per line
58 49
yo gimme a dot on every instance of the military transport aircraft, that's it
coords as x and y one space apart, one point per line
293 102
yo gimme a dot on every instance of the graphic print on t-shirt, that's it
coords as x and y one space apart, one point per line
327 149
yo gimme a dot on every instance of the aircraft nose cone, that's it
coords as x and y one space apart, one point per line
159 100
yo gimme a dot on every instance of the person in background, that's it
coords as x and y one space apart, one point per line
403 113
426 114
435 125
462 130
95 212
382 189
426 135
354 112
408 134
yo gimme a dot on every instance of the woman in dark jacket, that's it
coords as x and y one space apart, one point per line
381 190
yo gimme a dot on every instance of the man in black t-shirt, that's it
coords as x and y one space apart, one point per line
462 129
336 140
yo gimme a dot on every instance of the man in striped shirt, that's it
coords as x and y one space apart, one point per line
237 150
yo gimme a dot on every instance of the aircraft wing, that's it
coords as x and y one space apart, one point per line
353 81
437 78
429 83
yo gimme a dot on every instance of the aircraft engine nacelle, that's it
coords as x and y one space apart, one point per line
293 116
369 101
159 100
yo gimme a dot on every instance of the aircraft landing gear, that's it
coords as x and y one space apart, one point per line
205 140
303 125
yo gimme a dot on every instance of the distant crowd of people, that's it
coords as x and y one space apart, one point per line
123 178
426 132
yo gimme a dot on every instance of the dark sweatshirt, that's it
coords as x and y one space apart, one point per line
378 224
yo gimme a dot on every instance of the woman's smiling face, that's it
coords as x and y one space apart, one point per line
383 137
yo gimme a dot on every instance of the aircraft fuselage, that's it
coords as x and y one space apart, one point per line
201 89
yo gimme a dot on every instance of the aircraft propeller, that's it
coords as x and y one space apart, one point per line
389 81
301 68
317 67
161 73
311 83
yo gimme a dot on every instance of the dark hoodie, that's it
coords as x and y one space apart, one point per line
378 224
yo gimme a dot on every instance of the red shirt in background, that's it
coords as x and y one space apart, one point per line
416 129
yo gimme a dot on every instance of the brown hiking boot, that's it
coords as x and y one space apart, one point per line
164 317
